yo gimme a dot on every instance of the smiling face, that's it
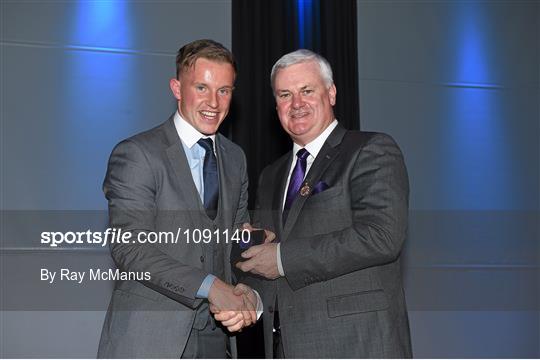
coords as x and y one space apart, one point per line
204 93
304 101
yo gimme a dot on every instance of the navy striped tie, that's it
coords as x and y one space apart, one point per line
210 177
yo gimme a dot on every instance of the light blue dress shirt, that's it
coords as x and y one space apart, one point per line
195 158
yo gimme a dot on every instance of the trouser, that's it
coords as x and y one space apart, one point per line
209 343
278 343
278 346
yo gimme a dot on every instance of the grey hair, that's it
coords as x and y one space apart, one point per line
302 56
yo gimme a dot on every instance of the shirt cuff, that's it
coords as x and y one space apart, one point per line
279 264
204 290
260 307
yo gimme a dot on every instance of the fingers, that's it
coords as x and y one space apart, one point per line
237 317
214 309
247 226
245 266
241 289
225 315
237 327
235 322
250 303
252 251
247 312
252 312
269 236
240 309
244 291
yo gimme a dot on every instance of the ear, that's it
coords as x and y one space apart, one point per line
332 92
175 88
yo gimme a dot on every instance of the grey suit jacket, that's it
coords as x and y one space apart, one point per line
342 294
150 188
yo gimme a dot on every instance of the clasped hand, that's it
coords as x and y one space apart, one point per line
235 307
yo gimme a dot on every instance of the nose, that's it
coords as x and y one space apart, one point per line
297 101
213 101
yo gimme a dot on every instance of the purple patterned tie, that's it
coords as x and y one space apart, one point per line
297 177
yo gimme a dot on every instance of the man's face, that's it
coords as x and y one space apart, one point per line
303 101
204 94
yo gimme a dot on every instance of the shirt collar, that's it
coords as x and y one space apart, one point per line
187 133
316 145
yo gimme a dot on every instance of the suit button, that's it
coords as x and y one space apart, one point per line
202 258
270 309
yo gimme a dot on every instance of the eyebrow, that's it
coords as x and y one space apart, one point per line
302 88
222 87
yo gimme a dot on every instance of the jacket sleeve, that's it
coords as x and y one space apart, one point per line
130 188
248 278
242 213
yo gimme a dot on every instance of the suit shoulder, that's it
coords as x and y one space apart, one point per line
363 139
153 136
368 136
146 141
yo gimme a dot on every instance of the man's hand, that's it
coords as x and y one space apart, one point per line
235 319
234 307
262 260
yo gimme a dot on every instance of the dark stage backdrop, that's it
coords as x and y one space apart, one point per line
263 31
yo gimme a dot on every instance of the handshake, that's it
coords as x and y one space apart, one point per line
234 306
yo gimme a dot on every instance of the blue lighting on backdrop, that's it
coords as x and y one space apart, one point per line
102 24
301 26
472 54
477 167
100 89
305 11
101 27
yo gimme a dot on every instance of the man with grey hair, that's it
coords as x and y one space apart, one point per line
338 202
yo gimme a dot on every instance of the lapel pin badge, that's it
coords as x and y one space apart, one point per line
305 190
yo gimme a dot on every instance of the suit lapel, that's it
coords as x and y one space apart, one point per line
282 171
179 164
225 176
324 158
225 201
191 201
